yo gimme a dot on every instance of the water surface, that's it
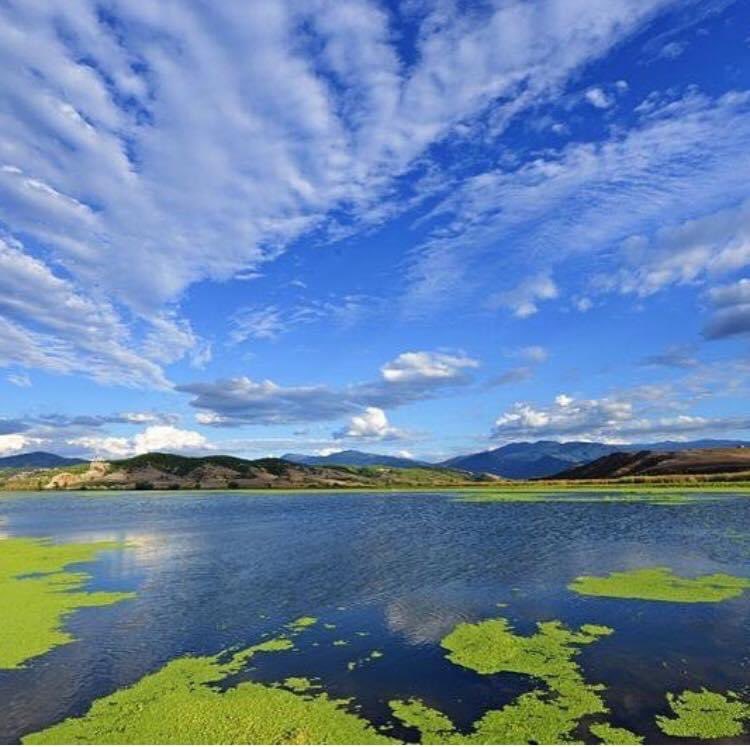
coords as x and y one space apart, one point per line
393 573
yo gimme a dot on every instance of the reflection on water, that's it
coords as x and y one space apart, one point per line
219 570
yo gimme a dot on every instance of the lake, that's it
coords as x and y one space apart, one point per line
386 573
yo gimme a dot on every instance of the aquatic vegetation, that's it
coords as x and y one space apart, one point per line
541 716
181 704
39 594
614 735
372 656
299 684
434 727
660 584
302 623
651 497
704 715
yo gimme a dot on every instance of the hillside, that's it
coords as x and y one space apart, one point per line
528 460
172 472
653 463
353 458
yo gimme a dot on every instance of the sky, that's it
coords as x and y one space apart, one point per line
418 228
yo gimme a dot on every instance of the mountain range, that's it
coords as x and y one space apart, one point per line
38 460
518 461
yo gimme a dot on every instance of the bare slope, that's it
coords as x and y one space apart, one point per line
645 463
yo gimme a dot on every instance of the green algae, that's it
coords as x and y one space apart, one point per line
182 704
705 715
39 594
299 684
372 656
543 716
302 623
660 584
653 497
614 735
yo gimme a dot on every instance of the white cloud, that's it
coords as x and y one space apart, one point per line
590 198
21 380
15 442
167 438
109 166
568 417
371 425
598 98
610 419
416 366
154 438
270 322
711 245
410 377
672 50
47 323
523 299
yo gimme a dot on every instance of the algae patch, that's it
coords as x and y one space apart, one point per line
302 623
542 716
660 584
704 715
182 704
38 594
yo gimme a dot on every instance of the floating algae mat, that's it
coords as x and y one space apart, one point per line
180 704
542 716
705 715
660 584
458 620
38 593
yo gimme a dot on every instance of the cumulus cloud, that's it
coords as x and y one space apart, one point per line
12 443
598 98
426 366
371 425
154 438
609 419
566 418
409 377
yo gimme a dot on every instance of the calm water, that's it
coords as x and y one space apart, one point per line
217 570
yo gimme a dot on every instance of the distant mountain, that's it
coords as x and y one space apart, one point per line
37 460
524 460
651 463
352 458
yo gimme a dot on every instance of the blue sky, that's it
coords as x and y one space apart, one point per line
418 227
